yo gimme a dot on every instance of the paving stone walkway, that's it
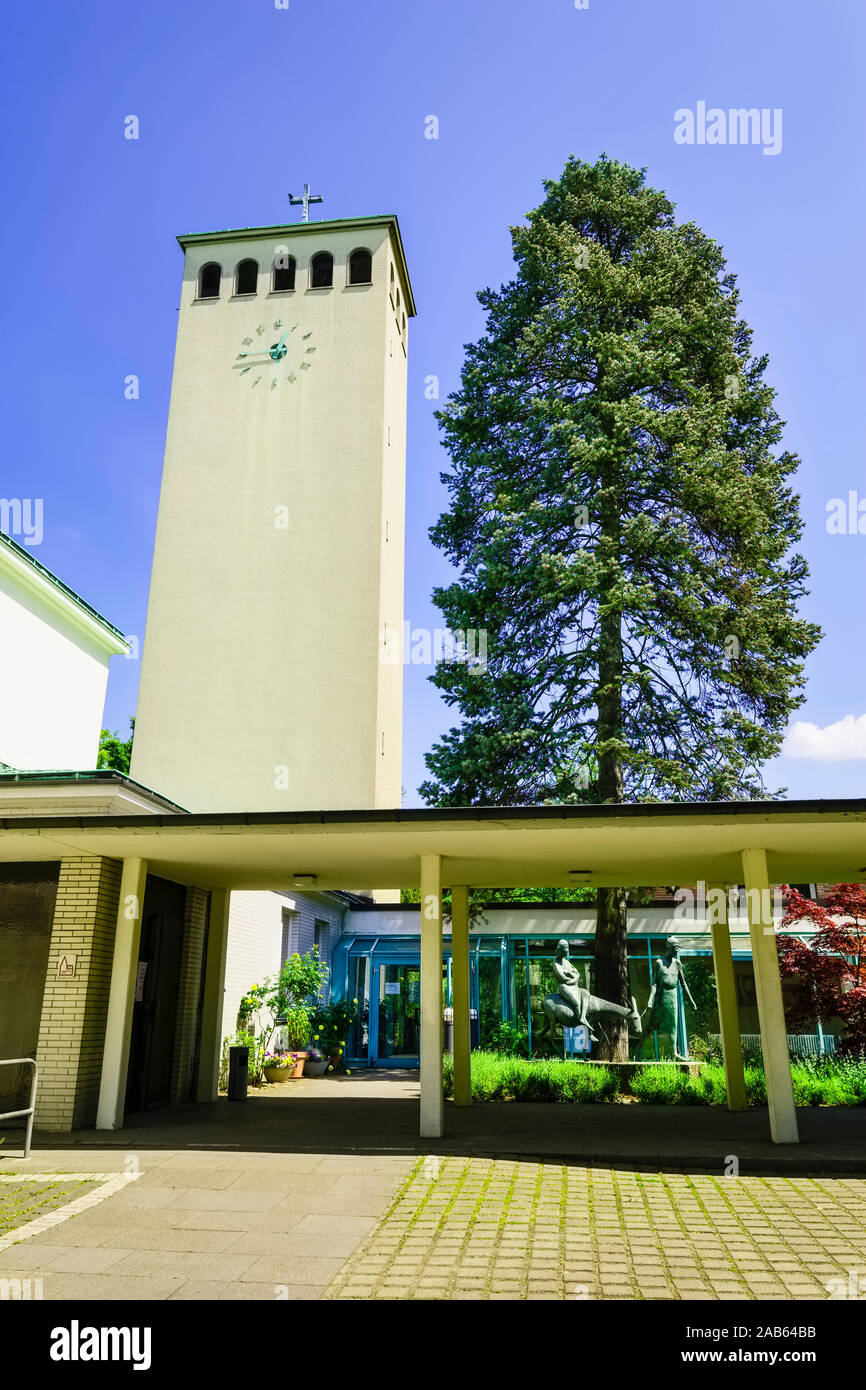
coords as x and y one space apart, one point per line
189 1224
476 1228
325 1188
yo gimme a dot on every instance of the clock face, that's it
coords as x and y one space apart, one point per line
274 356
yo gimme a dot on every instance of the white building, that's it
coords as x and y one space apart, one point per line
56 649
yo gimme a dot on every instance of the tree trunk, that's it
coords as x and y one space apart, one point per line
611 931
611 969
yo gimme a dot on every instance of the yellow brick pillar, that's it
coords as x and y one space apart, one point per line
75 1002
460 994
183 1079
432 1097
726 996
768 988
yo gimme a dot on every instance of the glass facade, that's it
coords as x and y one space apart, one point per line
509 979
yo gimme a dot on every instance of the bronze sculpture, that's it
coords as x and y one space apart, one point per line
574 1005
663 1004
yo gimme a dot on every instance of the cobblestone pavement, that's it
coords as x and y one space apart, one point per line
475 1228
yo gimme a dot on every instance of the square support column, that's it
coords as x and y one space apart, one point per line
460 994
768 988
726 996
214 991
432 1096
121 997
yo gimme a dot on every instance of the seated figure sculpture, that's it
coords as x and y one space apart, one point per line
573 1005
570 988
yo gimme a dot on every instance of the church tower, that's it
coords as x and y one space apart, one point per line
269 680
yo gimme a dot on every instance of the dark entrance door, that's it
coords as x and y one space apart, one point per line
154 1013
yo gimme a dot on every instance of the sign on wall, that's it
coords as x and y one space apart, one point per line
66 966
576 1040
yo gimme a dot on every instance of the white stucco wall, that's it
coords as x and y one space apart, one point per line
52 690
256 936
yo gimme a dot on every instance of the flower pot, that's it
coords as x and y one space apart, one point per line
277 1073
299 1065
316 1068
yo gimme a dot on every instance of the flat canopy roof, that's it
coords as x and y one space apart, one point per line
529 846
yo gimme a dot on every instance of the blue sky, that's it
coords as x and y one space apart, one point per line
240 102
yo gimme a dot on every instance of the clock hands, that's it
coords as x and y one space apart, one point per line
279 350
249 356
276 352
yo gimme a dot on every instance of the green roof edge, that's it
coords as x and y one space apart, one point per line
64 775
64 588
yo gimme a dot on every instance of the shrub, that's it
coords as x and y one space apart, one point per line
829 1081
703 1050
256 1058
664 1084
507 1039
295 989
298 1028
500 1077
331 1024
756 1087
708 1086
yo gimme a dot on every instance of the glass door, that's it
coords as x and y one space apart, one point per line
397 1006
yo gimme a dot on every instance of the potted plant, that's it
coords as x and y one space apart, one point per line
331 1025
287 999
298 1028
278 1066
317 1063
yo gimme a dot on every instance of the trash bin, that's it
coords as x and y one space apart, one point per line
239 1072
474 1033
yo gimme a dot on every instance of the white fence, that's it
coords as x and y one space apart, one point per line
800 1044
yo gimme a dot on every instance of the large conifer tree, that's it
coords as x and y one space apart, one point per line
622 526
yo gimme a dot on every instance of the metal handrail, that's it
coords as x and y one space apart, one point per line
16 1114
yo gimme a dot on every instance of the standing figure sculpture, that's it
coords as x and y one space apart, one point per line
573 1005
663 1005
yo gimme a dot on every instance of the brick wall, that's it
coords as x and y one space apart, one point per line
189 994
72 1028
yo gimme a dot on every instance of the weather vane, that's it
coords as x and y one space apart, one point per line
304 201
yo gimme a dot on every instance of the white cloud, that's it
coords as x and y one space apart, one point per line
841 742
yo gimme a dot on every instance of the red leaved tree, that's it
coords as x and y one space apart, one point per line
831 969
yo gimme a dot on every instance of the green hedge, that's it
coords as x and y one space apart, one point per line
499 1077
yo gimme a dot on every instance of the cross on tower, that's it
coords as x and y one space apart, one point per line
305 199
